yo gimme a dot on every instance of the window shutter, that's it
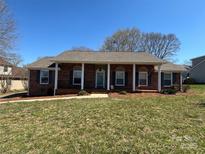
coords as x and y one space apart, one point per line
149 78
162 79
126 78
38 77
136 77
71 77
174 78
113 77
51 74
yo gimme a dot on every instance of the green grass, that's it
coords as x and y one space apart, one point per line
167 124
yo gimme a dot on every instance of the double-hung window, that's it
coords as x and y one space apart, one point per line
143 79
167 79
5 69
120 78
76 77
44 76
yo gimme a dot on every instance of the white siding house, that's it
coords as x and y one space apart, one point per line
13 76
197 72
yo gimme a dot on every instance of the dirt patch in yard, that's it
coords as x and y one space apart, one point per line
147 95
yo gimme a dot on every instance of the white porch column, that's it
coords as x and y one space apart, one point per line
159 78
56 79
108 76
82 76
181 82
133 77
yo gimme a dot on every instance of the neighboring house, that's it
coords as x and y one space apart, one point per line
14 77
197 72
71 71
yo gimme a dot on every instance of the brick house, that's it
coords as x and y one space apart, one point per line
72 71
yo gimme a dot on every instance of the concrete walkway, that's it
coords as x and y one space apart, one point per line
57 98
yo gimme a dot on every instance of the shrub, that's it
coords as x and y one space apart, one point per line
176 87
185 88
82 93
123 92
168 91
189 81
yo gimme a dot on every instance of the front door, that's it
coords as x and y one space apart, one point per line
100 79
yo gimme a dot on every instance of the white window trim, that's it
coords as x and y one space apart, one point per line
123 84
171 79
102 71
77 84
44 76
146 79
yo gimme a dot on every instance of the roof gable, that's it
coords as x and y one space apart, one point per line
4 62
44 62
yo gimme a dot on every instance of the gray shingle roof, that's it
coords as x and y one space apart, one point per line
107 57
44 62
198 57
172 67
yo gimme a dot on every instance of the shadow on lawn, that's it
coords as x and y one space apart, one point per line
20 95
201 103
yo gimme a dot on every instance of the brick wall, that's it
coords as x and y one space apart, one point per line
65 78
37 89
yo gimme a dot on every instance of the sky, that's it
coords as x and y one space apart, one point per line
48 27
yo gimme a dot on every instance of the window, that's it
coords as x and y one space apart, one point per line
44 77
167 79
5 68
143 81
120 78
76 77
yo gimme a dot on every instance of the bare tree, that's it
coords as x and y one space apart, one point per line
123 40
161 45
7 30
8 37
5 77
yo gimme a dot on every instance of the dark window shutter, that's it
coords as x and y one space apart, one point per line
71 77
38 76
113 77
162 79
126 78
51 77
149 78
137 78
174 78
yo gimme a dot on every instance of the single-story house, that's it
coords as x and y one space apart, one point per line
197 71
72 71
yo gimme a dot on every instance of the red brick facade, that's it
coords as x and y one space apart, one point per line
65 78
35 88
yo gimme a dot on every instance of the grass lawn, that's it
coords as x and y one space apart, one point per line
165 124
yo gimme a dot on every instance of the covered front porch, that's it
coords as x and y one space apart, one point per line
72 77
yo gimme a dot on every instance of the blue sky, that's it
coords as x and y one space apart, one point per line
48 27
